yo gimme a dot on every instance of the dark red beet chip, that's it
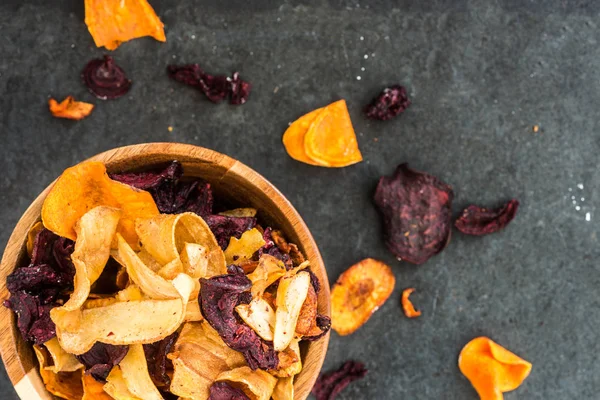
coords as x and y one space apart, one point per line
224 391
391 102
105 79
324 323
33 317
224 227
416 210
156 358
329 385
218 298
101 358
481 221
215 87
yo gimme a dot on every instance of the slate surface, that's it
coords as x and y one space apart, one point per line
480 74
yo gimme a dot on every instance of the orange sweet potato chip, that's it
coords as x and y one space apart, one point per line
86 186
491 369
358 293
93 390
70 109
112 22
407 305
66 385
323 137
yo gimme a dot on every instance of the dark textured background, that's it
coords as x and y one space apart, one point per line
480 74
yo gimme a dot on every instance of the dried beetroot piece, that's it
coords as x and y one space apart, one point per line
271 249
314 280
105 79
101 358
33 278
151 180
329 385
390 103
324 323
224 227
416 209
224 391
481 221
215 87
33 317
156 358
218 298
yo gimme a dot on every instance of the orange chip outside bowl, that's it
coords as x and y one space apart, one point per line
112 22
491 368
293 138
407 305
330 140
70 109
358 293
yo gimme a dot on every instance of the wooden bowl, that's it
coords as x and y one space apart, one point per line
231 181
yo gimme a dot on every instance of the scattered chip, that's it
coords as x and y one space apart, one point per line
358 293
242 249
330 384
407 305
293 138
112 22
70 109
257 384
86 186
105 79
480 221
63 384
391 102
491 369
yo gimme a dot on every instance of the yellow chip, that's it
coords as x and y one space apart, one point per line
284 390
116 386
290 361
93 390
257 384
240 213
136 376
241 250
33 232
86 186
63 361
63 384
269 269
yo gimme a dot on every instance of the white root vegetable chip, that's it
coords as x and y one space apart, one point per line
136 376
291 294
260 316
240 250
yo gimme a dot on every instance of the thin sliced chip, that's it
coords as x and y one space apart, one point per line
293 138
491 369
407 305
122 323
63 384
194 259
358 293
171 269
269 270
63 361
33 232
290 361
130 293
149 261
164 237
192 312
330 140
257 384
93 390
152 284
308 313
242 249
260 316
291 293
86 186
70 109
240 213
112 22
95 231
284 389
116 386
136 375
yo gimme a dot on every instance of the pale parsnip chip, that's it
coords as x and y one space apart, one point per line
257 384
93 390
241 250
136 375
63 361
240 213
164 237
284 389
291 294
148 260
152 284
116 386
143 321
269 269
260 316
66 385
95 232
194 259
192 312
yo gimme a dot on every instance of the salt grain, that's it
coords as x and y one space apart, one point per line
580 186
366 56
358 78
193 36
577 208
362 68
574 201
588 216
583 199
362 38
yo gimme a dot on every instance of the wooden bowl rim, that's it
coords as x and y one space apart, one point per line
28 383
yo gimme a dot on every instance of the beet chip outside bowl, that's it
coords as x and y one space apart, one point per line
233 183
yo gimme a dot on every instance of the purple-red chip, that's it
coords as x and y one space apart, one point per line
479 221
105 79
391 102
224 391
329 385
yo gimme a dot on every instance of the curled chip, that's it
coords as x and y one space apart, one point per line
136 375
481 221
407 305
156 357
93 390
284 389
268 271
116 386
324 137
260 316
257 384
308 312
358 293
66 385
491 369
70 109
417 211
63 361
86 186
291 293
112 22
105 79
164 238
241 250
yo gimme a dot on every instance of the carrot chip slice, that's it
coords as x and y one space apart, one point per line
112 22
358 293
407 305
70 109
491 369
